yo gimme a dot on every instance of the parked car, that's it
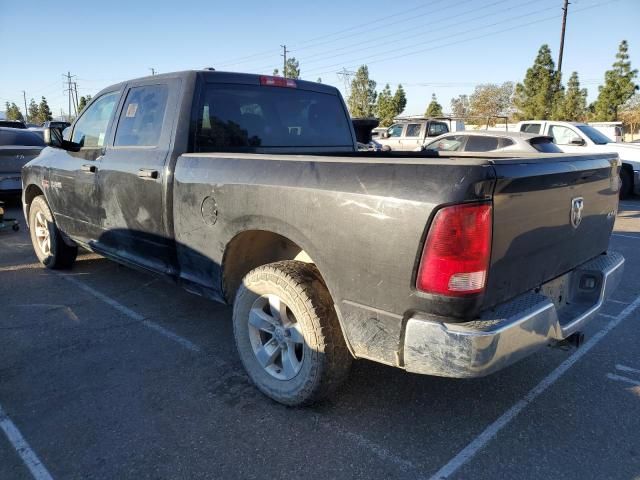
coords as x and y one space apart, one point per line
250 190
409 135
490 141
17 147
13 124
574 137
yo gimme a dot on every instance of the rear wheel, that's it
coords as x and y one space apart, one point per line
50 247
626 183
287 333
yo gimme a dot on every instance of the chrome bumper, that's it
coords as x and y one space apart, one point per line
513 330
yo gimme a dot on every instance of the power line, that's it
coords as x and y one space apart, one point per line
415 52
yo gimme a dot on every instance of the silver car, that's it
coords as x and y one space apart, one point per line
491 141
17 147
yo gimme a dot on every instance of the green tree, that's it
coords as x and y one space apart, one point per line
385 108
362 97
573 105
400 99
434 109
535 97
12 112
491 100
45 111
292 68
460 106
619 86
83 102
34 112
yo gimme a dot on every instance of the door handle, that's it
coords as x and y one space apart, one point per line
88 168
147 173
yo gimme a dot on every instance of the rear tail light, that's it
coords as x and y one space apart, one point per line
277 82
456 254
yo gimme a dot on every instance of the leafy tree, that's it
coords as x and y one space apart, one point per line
434 109
491 100
573 104
400 99
292 68
535 97
362 98
83 102
12 112
460 106
34 112
385 108
630 114
619 86
45 111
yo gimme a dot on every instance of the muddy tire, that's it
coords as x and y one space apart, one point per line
47 240
287 333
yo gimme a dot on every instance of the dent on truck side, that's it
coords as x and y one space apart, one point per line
361 223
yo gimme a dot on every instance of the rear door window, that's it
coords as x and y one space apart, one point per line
452 143
413 130
437 128
530 127
237 117
142 116
477 143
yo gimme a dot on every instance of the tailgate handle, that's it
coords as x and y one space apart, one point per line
147 173
88 168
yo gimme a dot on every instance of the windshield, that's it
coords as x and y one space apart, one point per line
243 117
596 136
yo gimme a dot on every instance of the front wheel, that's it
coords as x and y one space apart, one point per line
48 244
287 333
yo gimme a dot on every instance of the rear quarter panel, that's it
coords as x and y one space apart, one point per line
362 223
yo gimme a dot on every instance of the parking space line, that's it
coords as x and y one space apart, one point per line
470 451
625 236
189 345
28 456
620 378
617 301
606 315
624 368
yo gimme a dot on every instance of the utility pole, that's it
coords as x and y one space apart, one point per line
153 70
346 75
75 97
26 112
564 26
69 90
284 63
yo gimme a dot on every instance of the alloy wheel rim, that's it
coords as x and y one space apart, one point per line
276 337
43 237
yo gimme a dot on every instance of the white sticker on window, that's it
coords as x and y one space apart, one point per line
132 108
101 139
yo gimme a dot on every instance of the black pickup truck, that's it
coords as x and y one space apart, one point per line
250 190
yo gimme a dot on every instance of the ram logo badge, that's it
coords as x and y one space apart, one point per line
577 204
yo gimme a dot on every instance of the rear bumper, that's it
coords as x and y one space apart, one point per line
513 330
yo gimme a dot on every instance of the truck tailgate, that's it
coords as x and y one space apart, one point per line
534 238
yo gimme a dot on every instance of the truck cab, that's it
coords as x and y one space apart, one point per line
581 138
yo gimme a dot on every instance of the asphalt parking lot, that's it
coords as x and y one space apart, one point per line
106 372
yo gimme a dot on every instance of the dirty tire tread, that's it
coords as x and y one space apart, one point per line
304 283
62 255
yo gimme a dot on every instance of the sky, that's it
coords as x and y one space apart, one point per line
442 47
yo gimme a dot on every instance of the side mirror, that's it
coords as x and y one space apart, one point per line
576 141
52 137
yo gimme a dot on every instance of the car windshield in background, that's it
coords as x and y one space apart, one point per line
20 137
240 117
12 124
596 136
544 145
